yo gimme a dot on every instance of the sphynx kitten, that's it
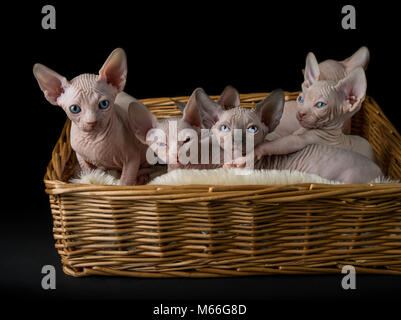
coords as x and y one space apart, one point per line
323 106
326 161
329 70
101 134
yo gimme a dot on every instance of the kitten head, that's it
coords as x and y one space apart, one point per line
236 123
88 99
167 136
325 103
336 70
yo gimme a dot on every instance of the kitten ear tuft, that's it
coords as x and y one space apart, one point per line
229 98
114 70
312 71
210 110
353 89
270 110
359 59
191 112
179 104
50 82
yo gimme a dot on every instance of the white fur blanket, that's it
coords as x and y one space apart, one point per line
217 177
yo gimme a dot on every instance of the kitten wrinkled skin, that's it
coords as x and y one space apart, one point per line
329 70
101 135
326 161
323 107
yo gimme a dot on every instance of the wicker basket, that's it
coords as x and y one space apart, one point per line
214 231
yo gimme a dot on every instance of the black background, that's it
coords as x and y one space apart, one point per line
172 49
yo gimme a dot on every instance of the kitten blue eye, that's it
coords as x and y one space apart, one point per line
104 104
320 104
75 108
253 129
301 99
225 128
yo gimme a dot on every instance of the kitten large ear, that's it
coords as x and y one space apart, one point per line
141 120
191 112
209 109
312 71
50 82
353 89
180 105
270 109
229 98
114 70
358 59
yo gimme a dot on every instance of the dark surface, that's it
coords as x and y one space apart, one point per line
171 50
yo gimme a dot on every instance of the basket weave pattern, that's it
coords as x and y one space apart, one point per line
214 231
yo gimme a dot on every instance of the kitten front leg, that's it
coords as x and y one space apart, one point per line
84 165
130 173
285 145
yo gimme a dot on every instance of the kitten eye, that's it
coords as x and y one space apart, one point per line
300 99
104 104
75 109
320 104
253 129
225 128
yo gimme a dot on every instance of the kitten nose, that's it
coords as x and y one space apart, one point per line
92 124
301 114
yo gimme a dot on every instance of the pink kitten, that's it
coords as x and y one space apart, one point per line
328 70
101 135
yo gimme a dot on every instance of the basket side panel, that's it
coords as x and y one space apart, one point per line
372 124
226 238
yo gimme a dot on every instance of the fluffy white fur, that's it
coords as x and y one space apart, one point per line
97 176
220 176
237 176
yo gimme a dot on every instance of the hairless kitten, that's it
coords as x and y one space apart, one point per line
101 135
188 128
329 70
326 161
323 106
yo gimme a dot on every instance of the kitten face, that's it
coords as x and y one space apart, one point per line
237 125
319 106
88 102
327 103
88 99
